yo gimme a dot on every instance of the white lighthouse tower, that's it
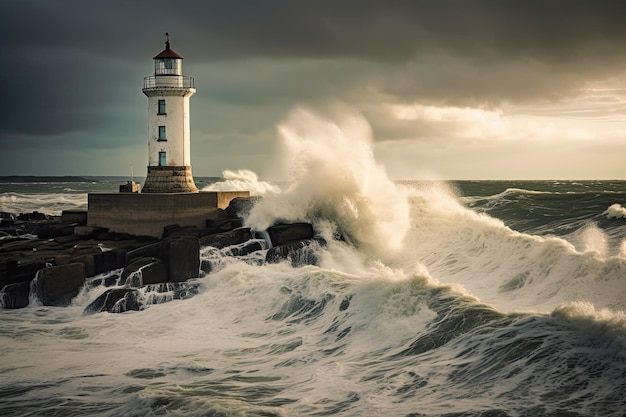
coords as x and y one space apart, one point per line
169 150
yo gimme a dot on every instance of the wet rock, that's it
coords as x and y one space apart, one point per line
54 230
230 238
206 266
181 231
151 250
15 295
153 271
281 234
116 300
114 236
214 226
23 270
109 261
58 285
87 261
181 256
298 253
74 216
35 215
70 239
241 206
20 244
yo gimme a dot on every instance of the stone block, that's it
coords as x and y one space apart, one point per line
23 270
151 250
222 240
74 216
50 231
153 271
181 256
109 260
15 295
298 253
241 206
58 285
116 300
282 234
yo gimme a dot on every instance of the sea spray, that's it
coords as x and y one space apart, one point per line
615 211
335 180
590 239
242 180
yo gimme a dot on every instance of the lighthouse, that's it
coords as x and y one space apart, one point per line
169 196
169 145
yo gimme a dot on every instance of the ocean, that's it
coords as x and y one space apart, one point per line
431 298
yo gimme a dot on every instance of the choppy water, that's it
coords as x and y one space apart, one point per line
443 299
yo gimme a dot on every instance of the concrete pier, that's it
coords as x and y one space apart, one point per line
147 214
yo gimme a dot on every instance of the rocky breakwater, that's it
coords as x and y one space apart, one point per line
48 260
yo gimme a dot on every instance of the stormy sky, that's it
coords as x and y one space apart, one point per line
462 89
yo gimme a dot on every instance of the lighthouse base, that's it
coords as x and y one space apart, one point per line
169 179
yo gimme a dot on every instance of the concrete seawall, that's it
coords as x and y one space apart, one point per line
147 214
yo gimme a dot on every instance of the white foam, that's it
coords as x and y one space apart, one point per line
335 179
512 271
242 180
615 211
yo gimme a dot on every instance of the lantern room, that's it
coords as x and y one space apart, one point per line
168 62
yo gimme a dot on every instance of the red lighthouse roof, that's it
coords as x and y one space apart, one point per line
167 52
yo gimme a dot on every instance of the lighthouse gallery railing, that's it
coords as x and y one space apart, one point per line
171 81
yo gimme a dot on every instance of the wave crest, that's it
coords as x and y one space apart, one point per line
336 179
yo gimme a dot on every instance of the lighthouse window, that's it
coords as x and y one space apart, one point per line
162 135
168 63
162 160
161 107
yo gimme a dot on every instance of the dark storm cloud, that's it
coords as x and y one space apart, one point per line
75 65
400 30
480 33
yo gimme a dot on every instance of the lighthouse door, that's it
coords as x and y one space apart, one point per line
162 159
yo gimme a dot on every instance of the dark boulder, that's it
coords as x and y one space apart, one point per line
15 295
35 215
109 260
170 227
281 234
114 236
116 300
58 285
54 230
214 226
230 238
241 206
181 256
298 253
23 270
151 250
206 266
70 239
87 259
145 271
181 231
74 216
8 222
